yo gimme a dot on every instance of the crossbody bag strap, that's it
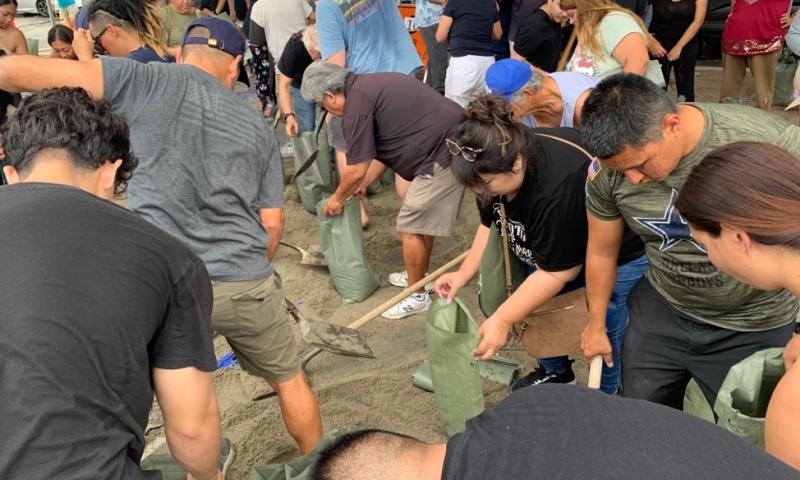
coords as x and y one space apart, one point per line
568 142
506 255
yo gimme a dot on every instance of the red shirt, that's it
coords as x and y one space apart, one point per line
754 27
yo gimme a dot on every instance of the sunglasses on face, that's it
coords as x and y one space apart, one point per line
469 153
99 49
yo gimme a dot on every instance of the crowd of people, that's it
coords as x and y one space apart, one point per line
681 220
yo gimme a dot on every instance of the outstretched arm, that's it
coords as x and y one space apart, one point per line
29 73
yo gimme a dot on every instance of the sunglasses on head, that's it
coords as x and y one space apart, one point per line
469 153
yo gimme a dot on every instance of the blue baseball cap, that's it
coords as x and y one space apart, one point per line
223 35
507 76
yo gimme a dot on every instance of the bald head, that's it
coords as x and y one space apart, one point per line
374 455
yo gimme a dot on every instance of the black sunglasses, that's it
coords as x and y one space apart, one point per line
99 49
469 153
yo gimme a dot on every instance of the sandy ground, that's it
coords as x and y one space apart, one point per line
361 392
358 392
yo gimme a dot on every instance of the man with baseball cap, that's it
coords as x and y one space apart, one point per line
210 175
540 99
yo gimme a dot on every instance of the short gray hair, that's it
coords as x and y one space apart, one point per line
321 77
534 83
310 38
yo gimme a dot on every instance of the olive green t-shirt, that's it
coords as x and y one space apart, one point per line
679 267
174 25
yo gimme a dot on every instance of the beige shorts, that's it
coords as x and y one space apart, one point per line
253 319
431 205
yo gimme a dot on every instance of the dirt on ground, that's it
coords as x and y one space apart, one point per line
356 392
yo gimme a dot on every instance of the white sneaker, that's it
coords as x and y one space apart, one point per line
413 305
400 279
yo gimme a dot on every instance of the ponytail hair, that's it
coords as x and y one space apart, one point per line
141 15
753 186
489 127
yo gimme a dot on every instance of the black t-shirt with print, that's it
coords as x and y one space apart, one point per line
539 41
547 218
92 298
294 60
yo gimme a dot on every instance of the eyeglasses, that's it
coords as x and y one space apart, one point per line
469 153
99 49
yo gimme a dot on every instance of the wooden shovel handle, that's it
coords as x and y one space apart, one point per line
595 372
375 312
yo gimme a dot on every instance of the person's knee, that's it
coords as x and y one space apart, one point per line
291 386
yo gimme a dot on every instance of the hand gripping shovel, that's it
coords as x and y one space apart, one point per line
333 337
313 256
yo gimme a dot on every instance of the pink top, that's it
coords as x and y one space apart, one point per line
754 27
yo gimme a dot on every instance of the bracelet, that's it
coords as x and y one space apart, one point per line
290 114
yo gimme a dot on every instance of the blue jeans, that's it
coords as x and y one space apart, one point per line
305 111
616 324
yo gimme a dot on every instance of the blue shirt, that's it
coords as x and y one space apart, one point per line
371 32
427 13
147 55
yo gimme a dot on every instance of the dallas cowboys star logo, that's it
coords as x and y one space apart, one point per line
672 228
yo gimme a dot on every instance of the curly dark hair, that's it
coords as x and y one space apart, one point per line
68 119
488 126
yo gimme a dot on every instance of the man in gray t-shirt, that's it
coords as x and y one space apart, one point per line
210 175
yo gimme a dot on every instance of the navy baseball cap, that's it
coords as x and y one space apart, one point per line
507 76
223 35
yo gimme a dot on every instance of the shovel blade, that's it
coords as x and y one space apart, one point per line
313 256
336 339
329 337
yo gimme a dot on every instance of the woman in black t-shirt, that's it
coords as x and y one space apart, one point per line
675 25
538 177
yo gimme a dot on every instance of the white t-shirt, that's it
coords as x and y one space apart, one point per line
280 19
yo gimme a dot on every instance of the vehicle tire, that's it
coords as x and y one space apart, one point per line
41 8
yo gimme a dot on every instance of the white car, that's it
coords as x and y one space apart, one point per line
38 7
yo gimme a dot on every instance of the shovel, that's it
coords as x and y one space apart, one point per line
313 256
331 338
337 334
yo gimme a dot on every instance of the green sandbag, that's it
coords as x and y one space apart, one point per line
492 280
318 180
388 177
783 92
742 399
343 246
452 336
695 403
298 469
169 468
497 369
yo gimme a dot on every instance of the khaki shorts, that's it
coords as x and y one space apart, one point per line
253 319
431 205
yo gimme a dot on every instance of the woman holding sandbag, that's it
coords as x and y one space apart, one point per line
535 180
750 226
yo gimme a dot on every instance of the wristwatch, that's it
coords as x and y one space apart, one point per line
797 328
290 114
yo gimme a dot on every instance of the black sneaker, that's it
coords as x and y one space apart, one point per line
539 376
226 456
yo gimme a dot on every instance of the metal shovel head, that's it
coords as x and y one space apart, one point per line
313 256
331 338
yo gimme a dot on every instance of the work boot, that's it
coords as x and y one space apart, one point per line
413 305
